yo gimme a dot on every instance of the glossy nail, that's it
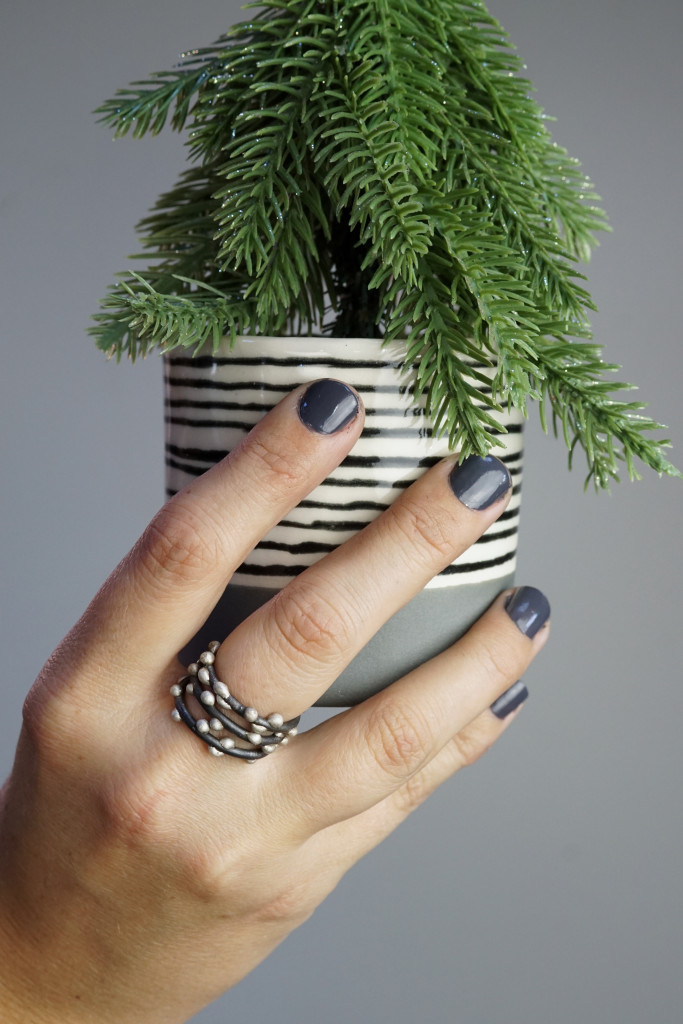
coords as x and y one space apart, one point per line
529 610
510 700
478 481
327 406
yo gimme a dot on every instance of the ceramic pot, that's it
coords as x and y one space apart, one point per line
213 401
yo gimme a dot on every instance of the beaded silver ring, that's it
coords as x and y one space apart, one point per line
221 731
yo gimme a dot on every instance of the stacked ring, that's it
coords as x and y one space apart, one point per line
221 731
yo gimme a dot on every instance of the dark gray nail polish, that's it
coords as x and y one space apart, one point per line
529 610
478 481
327 406
511 699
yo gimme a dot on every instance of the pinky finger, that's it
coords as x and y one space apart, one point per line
355 837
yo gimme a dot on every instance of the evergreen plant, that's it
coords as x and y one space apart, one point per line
378 168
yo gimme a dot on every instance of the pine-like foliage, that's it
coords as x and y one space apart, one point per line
378 168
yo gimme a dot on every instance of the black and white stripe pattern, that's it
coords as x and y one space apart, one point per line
212 402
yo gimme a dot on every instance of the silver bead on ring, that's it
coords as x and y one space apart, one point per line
259 735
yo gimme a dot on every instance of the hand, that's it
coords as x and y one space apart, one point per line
140 877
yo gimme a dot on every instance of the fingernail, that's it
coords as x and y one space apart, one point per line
478 481
511 699
327 406
529 610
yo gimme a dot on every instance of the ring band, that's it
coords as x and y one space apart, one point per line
222 730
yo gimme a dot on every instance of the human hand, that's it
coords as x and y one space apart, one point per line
141 878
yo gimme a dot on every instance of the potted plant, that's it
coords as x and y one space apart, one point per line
370 182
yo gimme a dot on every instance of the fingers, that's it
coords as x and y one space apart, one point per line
165 588
356 836
289 651
359 759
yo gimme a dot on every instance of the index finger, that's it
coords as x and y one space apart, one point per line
164 589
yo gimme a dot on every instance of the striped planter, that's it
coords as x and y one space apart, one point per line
213 401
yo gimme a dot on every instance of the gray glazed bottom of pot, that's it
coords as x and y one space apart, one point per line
427 625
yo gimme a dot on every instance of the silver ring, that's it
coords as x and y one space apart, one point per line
221 730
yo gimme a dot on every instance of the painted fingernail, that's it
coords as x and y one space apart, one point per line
511 699
478 481
327 406
529 610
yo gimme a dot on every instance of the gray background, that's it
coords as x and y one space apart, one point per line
545 884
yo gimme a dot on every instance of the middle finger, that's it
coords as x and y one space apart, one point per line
287 653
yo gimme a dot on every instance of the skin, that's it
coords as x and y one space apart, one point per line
140 877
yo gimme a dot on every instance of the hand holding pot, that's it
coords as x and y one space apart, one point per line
140 876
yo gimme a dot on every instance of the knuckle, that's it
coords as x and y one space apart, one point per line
423 528
413 793
54 734
122 813
134 810
290 906
178 545
310 624
56 724
496 661
467 749
36 721
140 811
141 814
396 740
276 467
